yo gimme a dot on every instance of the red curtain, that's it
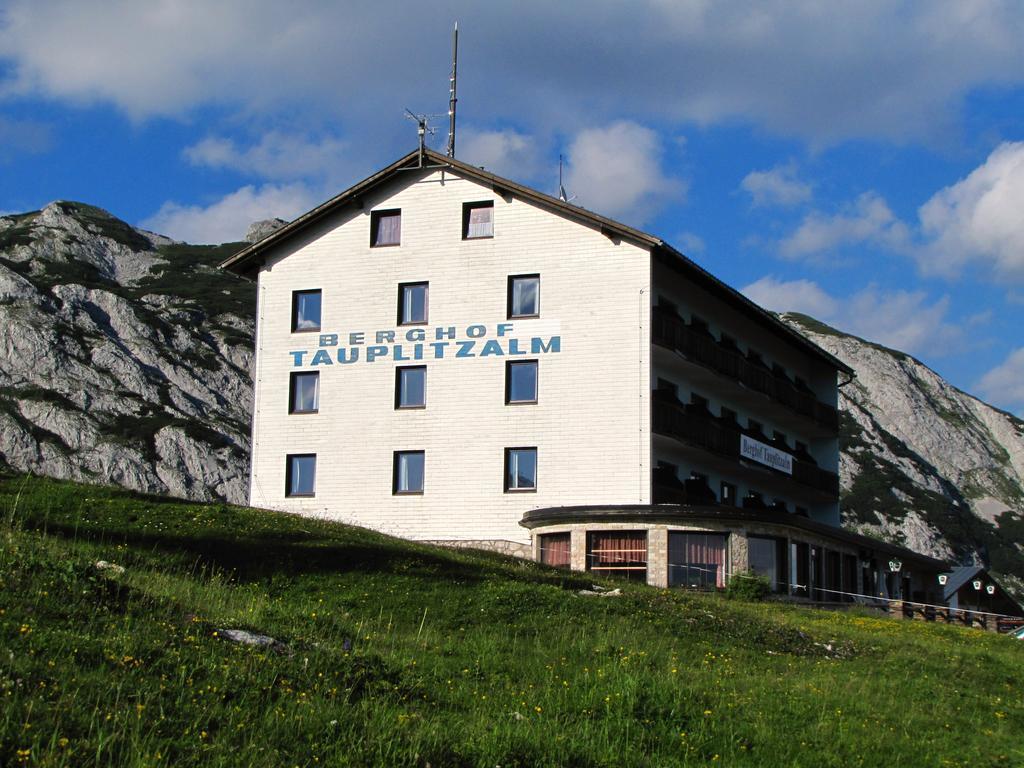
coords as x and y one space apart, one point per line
555 549
698 558
618 548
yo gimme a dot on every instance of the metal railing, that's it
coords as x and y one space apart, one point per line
707 432
701 347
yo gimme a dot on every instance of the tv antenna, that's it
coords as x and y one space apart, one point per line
422 129
562 194
452 99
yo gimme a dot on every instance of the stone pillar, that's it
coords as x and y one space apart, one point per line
739 553
578 549
896 609
657 557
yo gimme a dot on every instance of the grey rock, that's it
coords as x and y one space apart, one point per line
117 364
260 229
923 462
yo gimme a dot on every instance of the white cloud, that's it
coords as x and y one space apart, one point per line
690 243
776 187
277 155
227 219
805 69
868 220
904 320
23 136
616 171
979 219
505 152
1004 384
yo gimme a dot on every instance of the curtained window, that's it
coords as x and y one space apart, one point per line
411 386
618 553
305 393
696 560
523 296
555 549
412 303
478 220
385 228
409 469
306 310
301 474
520 469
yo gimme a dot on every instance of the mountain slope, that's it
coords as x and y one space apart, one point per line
125 356
924 463
384 652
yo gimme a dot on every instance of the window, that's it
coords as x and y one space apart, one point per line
696 560
412 303
477 220
728 495
618 553
520 382
555 549
304 393
524 296
767 557
411 386
408 472
520 469
306 311
385 228
300 474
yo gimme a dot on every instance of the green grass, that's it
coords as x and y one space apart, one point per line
403 654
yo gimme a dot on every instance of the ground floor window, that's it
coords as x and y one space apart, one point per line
618 553
696 560
555 549
767 558
799 569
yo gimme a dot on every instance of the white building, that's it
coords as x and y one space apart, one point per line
446 355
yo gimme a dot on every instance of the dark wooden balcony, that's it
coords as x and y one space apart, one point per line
699 346
690 426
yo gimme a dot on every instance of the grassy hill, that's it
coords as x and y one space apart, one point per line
392 653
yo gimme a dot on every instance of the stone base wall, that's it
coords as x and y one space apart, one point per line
502 546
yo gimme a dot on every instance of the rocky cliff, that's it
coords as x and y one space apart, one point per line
124 356
923 463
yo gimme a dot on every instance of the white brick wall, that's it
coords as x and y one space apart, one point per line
591 425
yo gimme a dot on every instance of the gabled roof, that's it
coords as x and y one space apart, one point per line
958 577
247 261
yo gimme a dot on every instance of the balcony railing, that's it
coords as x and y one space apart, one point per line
701 347
705 431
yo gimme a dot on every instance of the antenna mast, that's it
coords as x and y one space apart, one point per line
451 91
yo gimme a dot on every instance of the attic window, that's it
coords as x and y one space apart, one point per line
478 220
385 228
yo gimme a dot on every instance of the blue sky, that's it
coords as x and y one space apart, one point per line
861 162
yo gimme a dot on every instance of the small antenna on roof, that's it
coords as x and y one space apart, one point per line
562 194
422 129
451 91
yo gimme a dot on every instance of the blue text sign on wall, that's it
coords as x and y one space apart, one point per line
422 343
765 454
